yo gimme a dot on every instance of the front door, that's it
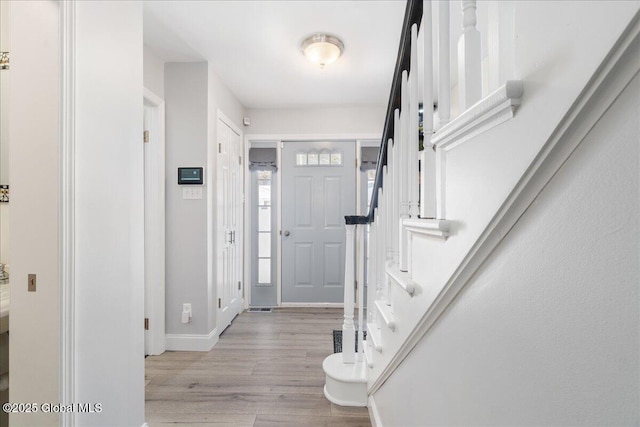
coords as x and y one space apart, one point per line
318 190
230 204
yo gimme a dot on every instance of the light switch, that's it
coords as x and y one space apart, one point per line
31 283
192 193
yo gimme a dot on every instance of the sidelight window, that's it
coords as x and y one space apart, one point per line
264 227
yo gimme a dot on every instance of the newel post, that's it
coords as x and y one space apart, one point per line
348 328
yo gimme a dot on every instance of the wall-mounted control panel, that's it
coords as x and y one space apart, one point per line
191 176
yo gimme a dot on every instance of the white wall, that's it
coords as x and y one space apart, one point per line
186 220
109 212
153 67
547 332
34 178
319 121
193 93
558 50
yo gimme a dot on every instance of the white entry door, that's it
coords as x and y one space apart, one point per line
229 227
318 190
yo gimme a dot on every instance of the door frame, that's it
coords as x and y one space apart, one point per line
154 228
279 139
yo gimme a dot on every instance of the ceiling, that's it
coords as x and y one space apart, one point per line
254 47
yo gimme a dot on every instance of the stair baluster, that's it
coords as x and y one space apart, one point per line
404 160
444 63
427 156
412 140
395 171
469 58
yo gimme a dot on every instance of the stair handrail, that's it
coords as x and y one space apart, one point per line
412 15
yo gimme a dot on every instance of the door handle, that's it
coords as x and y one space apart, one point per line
233 237
286 233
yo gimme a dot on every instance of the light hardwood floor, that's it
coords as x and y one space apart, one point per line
266 370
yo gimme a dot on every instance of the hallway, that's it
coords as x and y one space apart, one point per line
266 370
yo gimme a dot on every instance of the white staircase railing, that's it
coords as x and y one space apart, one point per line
409 192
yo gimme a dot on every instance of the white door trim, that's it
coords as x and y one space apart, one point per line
67 208
279 139
154 202
248 206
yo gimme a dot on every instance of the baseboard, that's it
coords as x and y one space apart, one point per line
374 415
192 342
145 425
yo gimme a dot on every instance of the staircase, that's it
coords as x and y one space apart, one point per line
423 249
408 196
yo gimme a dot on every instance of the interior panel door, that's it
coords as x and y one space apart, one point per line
229 230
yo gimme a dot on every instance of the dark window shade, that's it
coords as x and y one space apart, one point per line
263 159
369 158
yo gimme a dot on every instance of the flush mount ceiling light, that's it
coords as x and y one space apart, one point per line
322 49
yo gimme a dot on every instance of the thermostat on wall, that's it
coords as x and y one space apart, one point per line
190 176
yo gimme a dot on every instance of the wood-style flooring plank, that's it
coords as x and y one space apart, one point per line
199 420
266 370
235 384
287 421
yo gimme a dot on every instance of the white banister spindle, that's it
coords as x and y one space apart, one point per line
382 236
427 172
404 160
380 240
372 268
469 58
444 63
427 105
388 192
440 162
348 329
428 201
395 170
362 255
412 165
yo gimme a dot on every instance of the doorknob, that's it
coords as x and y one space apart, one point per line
286 233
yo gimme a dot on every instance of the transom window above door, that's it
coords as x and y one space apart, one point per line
319 158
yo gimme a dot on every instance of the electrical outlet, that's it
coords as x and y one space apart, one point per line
186 313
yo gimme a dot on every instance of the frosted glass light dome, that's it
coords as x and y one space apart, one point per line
322 49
